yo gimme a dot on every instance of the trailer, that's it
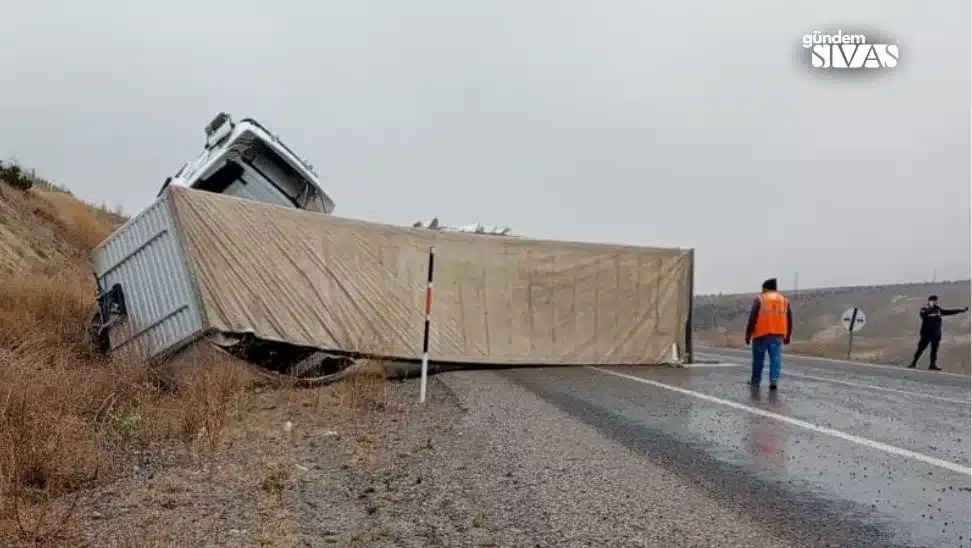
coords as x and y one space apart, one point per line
278 284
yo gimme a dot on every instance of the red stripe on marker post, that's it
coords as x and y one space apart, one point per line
428 320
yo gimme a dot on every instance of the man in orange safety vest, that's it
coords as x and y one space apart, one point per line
769 328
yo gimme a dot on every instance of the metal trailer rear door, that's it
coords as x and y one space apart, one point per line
146 258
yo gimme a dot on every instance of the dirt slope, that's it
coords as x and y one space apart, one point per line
48 232
890 334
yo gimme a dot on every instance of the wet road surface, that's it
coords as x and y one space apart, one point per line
842 455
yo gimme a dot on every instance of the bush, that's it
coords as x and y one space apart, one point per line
16 177
25 179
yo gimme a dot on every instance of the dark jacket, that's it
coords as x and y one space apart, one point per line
931 320
754 315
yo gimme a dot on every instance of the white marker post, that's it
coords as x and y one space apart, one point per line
853 320
428 320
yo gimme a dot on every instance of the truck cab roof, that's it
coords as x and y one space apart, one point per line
246 160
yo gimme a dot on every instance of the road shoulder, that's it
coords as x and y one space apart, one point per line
542 477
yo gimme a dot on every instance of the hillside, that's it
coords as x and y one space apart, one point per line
44 231
889 336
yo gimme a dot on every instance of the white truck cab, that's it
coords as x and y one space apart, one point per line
245 160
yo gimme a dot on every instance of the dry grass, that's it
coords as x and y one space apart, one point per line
67 419
208 401
57 405
84 225
46 314
365 391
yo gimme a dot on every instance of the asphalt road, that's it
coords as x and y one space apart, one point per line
844 454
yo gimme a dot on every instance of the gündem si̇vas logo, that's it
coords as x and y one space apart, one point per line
848 51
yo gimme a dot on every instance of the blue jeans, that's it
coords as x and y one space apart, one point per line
774 346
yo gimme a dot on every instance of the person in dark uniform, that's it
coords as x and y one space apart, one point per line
931 330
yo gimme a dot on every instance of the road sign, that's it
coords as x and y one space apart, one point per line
853 319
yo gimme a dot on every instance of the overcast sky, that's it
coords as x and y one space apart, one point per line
686 123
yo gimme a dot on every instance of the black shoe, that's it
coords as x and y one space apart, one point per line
773 386
912 366
934 368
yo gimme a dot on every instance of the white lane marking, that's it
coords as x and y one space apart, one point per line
831 360
877 388
802 424
699 365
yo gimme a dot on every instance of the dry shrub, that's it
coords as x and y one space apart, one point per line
58 421
68 419
41 314
49 524
208 400
61 428
367 387
364 390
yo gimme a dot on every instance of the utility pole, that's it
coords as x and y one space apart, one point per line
796 282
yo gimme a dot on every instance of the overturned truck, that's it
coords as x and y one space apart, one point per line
279 285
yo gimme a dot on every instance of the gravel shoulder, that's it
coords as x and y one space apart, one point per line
484 463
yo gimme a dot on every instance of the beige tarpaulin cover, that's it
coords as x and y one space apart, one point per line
342 284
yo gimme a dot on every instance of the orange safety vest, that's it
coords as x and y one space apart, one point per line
772 315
